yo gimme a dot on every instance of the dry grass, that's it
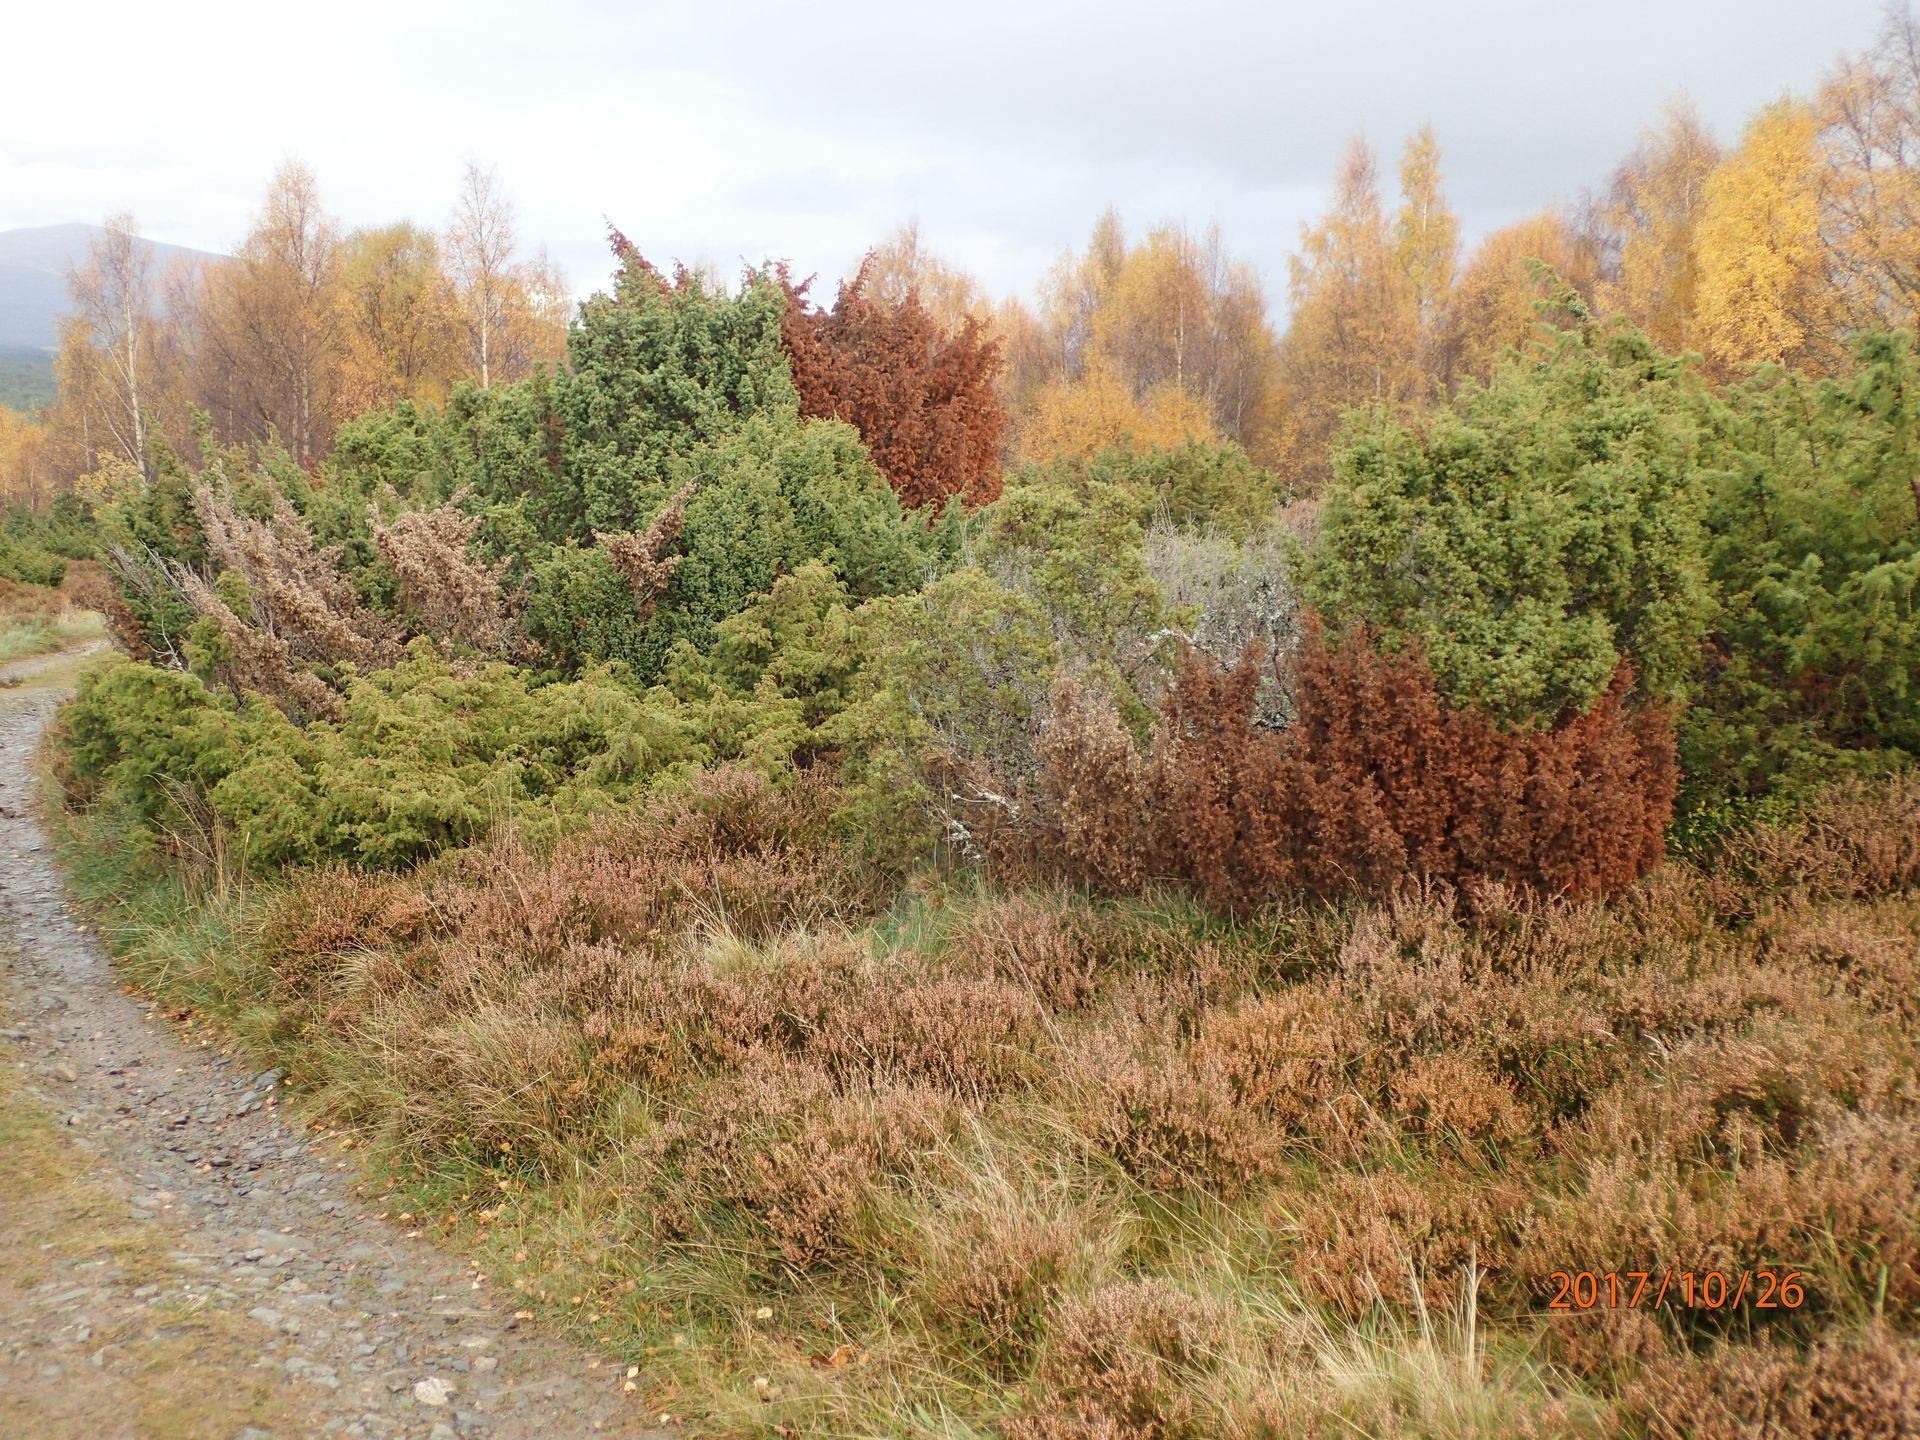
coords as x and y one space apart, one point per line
37 621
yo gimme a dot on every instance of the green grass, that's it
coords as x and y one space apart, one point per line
24 636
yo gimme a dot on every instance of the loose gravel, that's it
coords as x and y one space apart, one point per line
364 1330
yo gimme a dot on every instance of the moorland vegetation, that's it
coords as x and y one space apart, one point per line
907 895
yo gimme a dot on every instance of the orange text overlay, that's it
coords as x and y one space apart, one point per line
1690 1289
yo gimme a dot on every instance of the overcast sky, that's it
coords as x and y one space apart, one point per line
727 132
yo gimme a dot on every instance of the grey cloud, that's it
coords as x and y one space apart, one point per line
726 132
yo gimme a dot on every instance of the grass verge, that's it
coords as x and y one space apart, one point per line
24 636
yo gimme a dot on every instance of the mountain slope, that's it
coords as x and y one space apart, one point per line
33 279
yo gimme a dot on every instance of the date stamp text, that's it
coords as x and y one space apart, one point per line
1688 1289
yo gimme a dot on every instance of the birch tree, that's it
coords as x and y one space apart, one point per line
480 246
108 345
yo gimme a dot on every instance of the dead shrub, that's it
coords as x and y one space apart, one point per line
1125 1360
1864 1386
923 396
298 595
642 559
1099 789
449 596
1378 779
255 658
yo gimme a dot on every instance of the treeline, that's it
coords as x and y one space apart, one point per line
303 327
1095 595
1771 251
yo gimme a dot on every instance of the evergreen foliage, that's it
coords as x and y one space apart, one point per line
1532 532
1814 550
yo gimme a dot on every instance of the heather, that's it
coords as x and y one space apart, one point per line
1124 943
828 1157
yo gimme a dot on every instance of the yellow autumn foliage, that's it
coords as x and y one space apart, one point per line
1763 296
1098 412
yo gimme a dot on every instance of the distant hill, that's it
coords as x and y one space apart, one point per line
33 296
26 379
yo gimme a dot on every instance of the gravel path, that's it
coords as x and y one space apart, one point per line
361 1330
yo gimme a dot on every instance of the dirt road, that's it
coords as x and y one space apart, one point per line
175 1259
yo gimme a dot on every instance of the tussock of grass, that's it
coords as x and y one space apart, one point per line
1029 1165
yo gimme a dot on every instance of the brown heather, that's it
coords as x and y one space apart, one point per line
1037 942
86 585
1854 839
779 1142
23 601
1124 1361
1377 780
1000 1282
1452 1096
338 911
1368 1236
827 1003
1100 1165
1870 952
961 1036
1863 1386
1170 1123
995 1253
1280 1055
